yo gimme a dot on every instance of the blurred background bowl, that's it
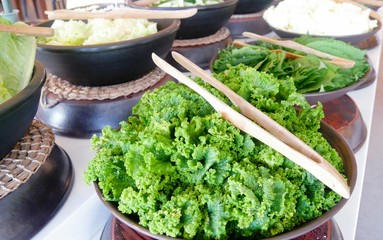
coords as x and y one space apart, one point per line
110 63
207 21
251 6
336 141
17 113
354 39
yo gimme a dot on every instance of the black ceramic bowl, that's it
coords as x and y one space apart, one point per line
352 39
336 141
17 113
251 6
207 21
110 63
27 210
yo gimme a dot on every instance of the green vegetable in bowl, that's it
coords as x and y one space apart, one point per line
17 57
310 73
186 172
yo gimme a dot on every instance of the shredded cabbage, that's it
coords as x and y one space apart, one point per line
98 31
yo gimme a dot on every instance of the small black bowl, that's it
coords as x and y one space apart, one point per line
110 63
335 140
207 21
354 39
251 6
17 113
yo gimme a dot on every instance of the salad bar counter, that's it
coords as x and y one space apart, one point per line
84 216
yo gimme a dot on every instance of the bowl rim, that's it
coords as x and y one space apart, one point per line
225 3
335 139
173 27
38 77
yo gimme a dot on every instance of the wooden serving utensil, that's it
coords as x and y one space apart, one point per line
317 166
64 14
290 55
27 30
346 63
373 14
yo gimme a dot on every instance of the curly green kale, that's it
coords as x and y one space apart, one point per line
186 172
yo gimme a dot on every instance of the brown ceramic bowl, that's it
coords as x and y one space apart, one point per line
17 113
336 141
207 21
110 63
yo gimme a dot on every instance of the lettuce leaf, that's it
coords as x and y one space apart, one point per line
16 61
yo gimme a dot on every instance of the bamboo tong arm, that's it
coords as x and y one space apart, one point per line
299 47
64 14
321 170
27 30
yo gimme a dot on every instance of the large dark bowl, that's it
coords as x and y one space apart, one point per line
251 6
29 208
354 39
336 141
207 21
17 113
110 63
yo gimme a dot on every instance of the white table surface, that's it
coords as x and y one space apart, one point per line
83 215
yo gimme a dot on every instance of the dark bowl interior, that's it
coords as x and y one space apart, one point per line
352 39
17 113
251 6
111 63
207 21
336 141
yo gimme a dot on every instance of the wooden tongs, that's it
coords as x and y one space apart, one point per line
23 29
64 14
342 62
271 133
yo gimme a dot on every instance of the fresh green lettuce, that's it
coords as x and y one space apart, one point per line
310 73
17 57
186 172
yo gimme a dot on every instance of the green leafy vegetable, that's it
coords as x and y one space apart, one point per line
310 73
186 172
17 57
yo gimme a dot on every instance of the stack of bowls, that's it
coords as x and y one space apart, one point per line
91 67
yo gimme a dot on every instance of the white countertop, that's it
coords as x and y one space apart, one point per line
83 215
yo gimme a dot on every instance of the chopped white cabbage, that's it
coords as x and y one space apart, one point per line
98 31
319 17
